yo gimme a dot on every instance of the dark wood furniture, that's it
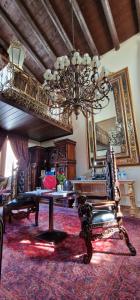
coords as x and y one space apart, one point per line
1 242
37 158
52 234
61 157
18 202
103 213
96 187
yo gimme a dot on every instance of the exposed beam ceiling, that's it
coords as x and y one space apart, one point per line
111 24
35 29
3 44
138 11
83 26
21 38
50 11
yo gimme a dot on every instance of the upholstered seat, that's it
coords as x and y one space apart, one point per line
102 217
19 201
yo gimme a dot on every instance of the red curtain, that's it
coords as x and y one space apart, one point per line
3 136
19 146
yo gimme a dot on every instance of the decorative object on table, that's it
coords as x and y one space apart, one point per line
103 213
49 182
98 171
77 84
60 176
67 185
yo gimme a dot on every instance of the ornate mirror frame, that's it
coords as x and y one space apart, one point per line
124 112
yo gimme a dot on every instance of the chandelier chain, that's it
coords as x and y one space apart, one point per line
72 21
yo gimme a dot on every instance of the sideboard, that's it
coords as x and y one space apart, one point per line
98 188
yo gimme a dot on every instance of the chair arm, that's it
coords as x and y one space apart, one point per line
102 205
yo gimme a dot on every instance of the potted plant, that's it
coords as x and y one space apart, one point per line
60 180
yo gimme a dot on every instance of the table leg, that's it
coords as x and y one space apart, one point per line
52 235
50 214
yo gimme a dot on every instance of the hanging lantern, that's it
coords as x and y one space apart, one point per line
16 54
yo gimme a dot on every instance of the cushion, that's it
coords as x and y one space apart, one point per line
17 203
102 216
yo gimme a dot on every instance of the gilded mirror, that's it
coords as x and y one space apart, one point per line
114 124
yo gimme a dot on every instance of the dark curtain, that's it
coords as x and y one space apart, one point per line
19 146
3 136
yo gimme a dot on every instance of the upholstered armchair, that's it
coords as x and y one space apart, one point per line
103 213
20 205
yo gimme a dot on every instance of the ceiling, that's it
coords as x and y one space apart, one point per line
22 123
45 29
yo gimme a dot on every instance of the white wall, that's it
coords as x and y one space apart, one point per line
127 56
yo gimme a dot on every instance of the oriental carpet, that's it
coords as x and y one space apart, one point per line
39 270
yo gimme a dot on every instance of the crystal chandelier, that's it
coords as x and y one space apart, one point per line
77 83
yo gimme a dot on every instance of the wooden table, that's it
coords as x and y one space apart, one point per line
51 234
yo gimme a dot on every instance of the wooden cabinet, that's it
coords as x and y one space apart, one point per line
37 155
61 157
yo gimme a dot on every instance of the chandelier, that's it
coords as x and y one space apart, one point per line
77 83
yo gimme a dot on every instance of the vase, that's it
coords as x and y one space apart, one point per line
59 187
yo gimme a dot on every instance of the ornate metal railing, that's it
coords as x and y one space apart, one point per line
25 92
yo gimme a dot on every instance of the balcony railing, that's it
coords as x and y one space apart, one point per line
25 92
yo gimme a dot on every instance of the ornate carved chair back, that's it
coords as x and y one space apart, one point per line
103 214
20 181
112 184
14 182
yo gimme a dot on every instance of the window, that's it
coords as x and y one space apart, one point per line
11 160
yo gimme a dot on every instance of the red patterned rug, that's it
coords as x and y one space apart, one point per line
37 270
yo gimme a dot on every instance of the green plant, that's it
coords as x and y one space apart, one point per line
60 177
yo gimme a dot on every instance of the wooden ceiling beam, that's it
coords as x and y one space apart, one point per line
3 44
50 11
35 29
137 2
5 47
84 26
21 38
110 23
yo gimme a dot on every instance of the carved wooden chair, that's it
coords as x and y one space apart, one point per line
1 242
104 214
20 205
